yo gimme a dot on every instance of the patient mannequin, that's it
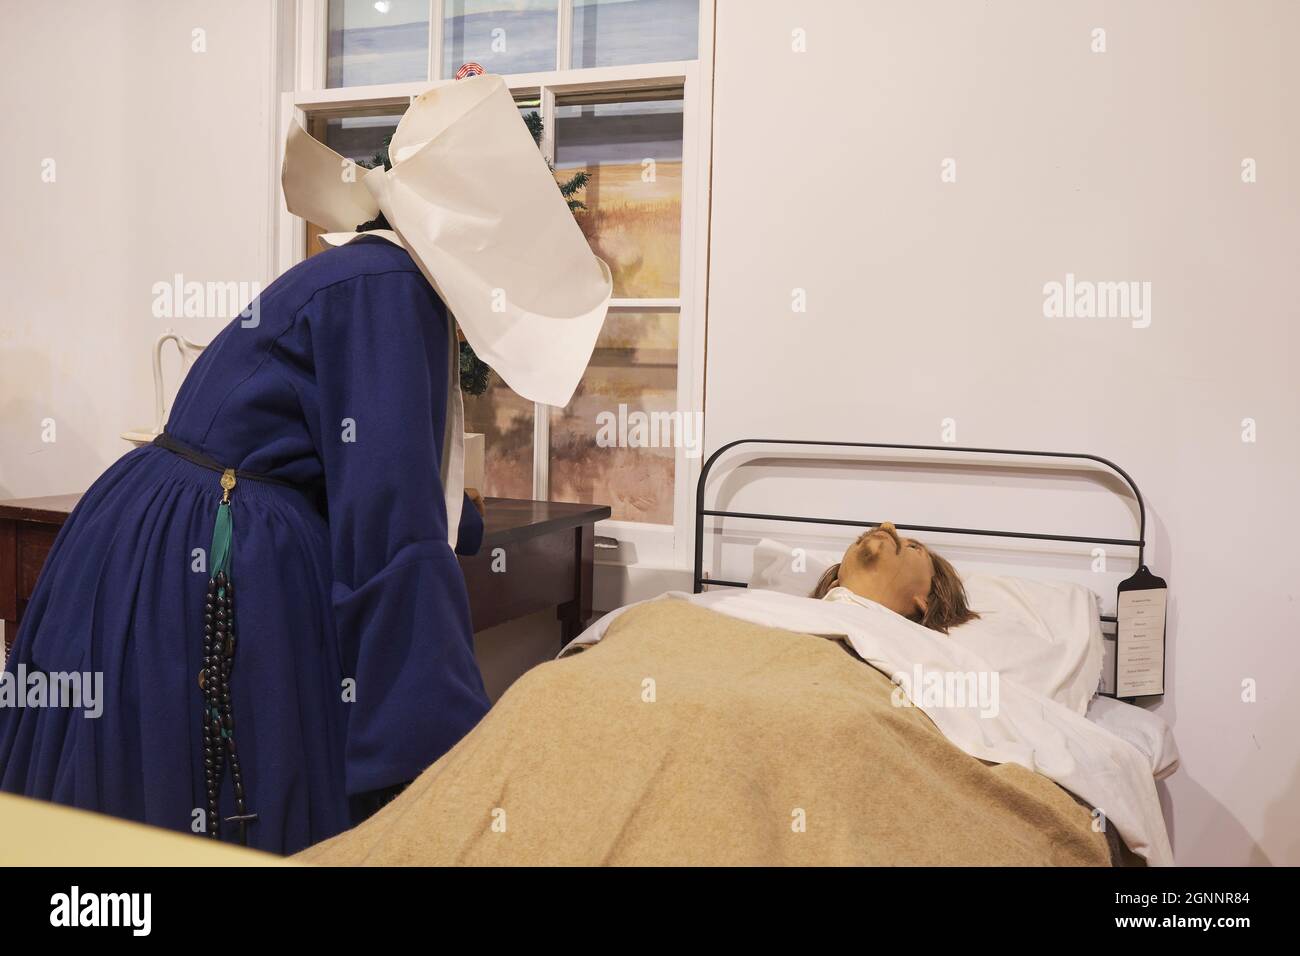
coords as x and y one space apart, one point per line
902 575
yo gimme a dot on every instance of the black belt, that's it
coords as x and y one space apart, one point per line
197 457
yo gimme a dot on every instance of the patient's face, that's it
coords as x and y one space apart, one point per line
898 570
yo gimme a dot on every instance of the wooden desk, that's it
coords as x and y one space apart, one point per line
543 552
535 555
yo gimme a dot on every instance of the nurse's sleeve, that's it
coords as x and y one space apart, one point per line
380 347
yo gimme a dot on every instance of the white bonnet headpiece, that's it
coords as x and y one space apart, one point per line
470 197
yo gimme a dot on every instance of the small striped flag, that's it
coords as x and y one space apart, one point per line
470 69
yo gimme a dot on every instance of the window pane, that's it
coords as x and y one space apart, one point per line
377 41
503 36
506 421
633 153
531 113
618 32
359 138
632 374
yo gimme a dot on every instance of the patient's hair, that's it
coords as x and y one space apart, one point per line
946 604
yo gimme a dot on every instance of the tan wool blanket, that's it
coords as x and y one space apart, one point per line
689 737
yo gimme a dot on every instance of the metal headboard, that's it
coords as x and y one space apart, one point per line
702 512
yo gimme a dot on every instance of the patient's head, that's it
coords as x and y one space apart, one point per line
903 575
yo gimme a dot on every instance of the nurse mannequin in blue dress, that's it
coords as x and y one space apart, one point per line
271 592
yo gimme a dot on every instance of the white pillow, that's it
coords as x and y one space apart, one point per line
1146 731
1045 636
779 567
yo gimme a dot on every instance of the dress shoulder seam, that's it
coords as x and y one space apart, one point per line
349 278
266 357
295 315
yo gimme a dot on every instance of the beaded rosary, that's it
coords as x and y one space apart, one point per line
214 679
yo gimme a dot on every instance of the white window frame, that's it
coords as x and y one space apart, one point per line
641 545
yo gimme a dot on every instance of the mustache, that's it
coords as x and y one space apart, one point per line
893 536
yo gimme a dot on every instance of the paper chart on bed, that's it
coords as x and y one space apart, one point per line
1140 651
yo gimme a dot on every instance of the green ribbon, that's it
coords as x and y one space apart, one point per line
219 555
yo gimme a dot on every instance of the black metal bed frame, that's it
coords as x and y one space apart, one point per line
701 512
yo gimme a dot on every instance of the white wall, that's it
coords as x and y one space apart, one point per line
925 300
163 165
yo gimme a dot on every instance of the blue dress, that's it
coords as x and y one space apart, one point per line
355 667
